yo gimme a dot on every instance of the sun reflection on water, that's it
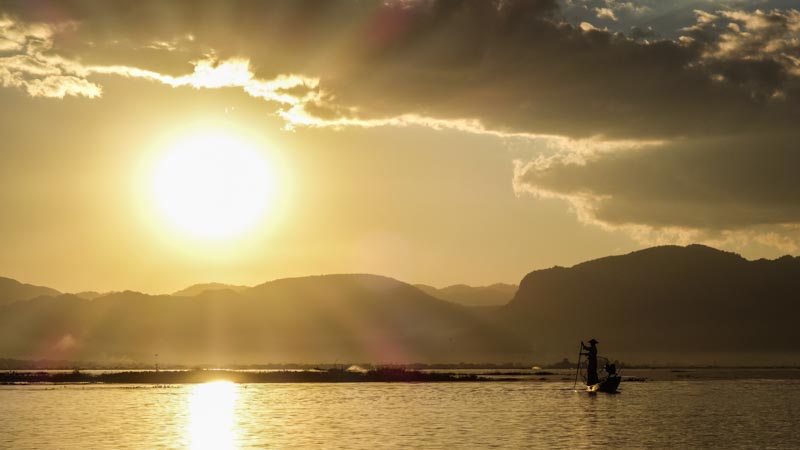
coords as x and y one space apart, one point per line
212 415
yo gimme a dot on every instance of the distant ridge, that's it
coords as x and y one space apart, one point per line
668 304
492 295
324 319
12 290
198 289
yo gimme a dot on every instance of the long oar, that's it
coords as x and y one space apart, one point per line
578 369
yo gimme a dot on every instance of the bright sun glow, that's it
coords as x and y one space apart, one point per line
213 185
212 415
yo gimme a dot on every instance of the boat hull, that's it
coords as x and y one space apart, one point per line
609 385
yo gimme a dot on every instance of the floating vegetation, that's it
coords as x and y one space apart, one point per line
167 378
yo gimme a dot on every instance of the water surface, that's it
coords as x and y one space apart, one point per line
720 414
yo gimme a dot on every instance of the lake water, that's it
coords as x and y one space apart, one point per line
682 414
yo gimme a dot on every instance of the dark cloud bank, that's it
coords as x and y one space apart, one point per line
722 98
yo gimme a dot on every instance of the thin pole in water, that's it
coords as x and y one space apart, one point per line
578 369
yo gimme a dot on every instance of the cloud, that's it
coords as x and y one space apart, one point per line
24 64
30 65
210 73
762 47
511 65
628 12
606 13
15 36
521 72
727 188
683 189
61 86
170 45
664 138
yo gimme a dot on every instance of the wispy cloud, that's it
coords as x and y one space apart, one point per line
32 66
209 73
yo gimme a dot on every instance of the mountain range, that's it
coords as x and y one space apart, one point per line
667 304
13 290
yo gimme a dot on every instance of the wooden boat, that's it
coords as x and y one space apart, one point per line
609 385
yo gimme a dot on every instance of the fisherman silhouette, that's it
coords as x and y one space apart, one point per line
591 356
611 369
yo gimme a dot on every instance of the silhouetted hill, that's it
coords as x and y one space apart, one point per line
493 295
666 304
13 290
311 319
690 303
198 289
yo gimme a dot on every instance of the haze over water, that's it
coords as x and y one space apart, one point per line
681 414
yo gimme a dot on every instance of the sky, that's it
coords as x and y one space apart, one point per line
434 141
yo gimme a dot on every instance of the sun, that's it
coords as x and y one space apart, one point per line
212 185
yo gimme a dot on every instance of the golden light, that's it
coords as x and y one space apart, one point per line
212 415
212 185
